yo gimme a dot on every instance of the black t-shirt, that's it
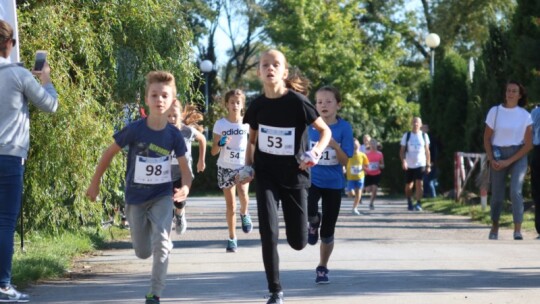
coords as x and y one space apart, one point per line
282 136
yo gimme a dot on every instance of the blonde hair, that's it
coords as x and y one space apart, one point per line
295 80
160 77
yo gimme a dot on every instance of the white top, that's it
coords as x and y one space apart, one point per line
415 154
233 154
509 128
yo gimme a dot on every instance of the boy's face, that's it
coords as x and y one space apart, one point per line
159 98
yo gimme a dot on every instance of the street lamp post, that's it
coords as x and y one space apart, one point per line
432 41
206 67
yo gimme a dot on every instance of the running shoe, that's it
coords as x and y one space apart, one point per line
11 295
231 245
322 275
275 298
518 236
410 206
180 223
493 236
152 299
355 211
418 207
371 207
247 225
313 231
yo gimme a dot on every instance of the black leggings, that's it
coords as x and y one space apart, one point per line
294 204
331 204
535 185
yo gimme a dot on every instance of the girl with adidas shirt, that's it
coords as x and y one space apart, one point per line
327 181
278 121
230 140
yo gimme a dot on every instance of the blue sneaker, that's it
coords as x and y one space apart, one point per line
247 225
418 207
231 245
275 298
322 275
152 299
11 295
313 231
410 206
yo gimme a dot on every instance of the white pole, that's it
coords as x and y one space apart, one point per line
8 13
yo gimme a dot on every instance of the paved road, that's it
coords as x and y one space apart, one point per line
382 256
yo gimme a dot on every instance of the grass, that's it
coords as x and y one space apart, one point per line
51 256
475 212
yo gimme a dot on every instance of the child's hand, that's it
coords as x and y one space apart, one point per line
92 192
201 166
180 194
224 140
309 159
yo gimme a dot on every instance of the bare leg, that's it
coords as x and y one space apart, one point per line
230 201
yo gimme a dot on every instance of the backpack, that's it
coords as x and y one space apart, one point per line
409 136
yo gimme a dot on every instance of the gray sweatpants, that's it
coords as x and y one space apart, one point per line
517 172
150 228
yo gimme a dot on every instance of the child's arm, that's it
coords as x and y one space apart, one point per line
365 162
381 162
215 144
181 194
325 134
201 139
104 162
341 155
250 149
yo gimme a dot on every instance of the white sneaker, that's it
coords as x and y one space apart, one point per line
181 223
355 211
11 295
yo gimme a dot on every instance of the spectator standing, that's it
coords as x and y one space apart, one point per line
18 89
507 140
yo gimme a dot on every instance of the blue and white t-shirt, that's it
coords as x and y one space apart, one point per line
328 173
148 169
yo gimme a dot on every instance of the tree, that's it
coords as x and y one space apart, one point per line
99 52
525 33
323 40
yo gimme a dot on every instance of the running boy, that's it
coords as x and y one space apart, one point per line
149 192
355 174
230 140
327 177
373 172
278 120
184 122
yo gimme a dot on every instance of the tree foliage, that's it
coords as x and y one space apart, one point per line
99 53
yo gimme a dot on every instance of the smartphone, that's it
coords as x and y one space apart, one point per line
41 57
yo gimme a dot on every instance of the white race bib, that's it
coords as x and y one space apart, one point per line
328 156
275 140
373 166
234 157
152 170
355 170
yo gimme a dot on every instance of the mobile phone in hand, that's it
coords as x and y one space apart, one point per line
41 57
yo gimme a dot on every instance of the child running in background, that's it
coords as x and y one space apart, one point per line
355 174
278 120
327 177
230 140
186 122
373 171
149 192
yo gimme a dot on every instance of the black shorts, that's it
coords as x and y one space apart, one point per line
371 180
412 175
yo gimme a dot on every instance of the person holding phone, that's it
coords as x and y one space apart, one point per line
17 88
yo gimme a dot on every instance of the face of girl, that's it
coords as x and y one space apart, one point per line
235 104
272 68
326 104
174 116
512 94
